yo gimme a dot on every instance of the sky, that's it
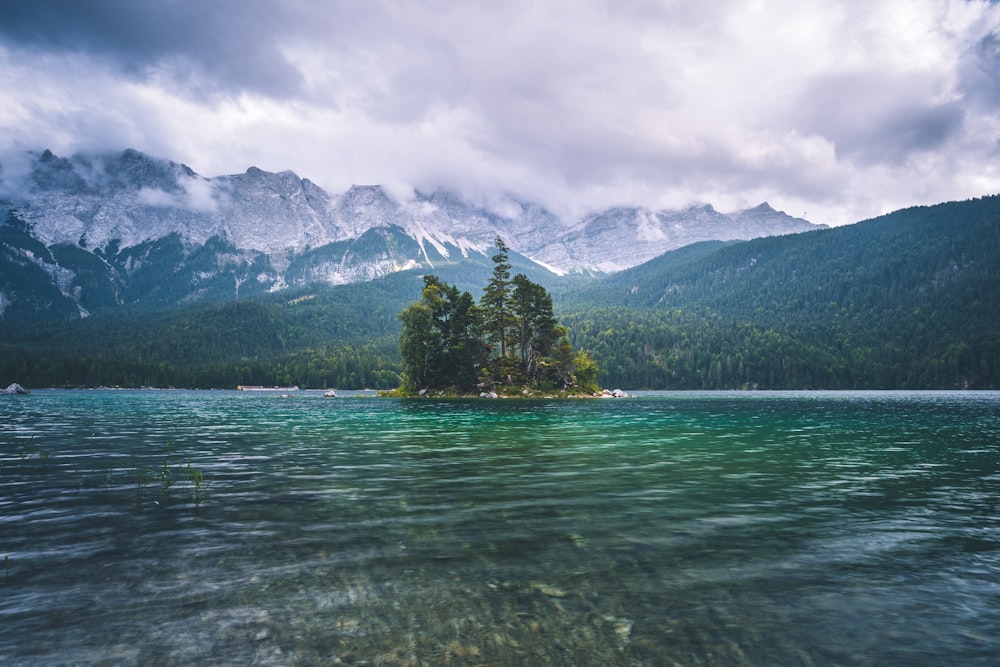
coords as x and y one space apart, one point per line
835 111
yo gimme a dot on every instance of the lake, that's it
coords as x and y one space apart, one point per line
751 528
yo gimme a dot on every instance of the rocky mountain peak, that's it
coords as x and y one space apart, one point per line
121 204
367 195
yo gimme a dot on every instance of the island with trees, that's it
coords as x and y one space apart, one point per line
509 344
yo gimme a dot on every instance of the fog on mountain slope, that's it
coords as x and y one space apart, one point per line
89 224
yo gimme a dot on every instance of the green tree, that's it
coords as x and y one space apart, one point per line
440 340
585 370
564 359
457 320
498 319
442 343
536 324
418 345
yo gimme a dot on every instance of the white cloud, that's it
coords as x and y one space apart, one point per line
835 110
156 197
196 194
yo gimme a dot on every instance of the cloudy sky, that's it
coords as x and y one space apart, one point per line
833 110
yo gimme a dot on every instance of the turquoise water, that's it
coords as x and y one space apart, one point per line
225 528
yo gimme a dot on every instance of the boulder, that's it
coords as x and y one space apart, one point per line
15 388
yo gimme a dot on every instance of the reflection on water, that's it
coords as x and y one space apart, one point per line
177 528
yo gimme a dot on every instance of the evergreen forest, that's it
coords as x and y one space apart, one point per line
904 301
909 300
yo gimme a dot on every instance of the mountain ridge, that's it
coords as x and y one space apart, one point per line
904 301
128 210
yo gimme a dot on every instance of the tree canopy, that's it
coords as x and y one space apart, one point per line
509 342
906 301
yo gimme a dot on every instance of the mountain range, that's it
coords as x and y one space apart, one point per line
903 301
93 232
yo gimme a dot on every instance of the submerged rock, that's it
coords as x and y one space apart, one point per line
15 388
546 589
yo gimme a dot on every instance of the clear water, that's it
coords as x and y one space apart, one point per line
691 529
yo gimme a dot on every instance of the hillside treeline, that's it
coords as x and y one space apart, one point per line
315 338
904 301
682 350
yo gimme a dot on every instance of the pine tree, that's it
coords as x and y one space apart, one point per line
498 318
418 345
536 324
442 342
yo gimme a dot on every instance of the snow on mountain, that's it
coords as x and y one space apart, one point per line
92 200
267 231
622 237
363 207
271 213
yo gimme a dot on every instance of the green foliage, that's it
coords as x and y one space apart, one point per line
586 370
418 345
318 338
498 316
440 340
444 342
905 301
537 327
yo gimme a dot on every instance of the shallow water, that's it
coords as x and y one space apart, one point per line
225 528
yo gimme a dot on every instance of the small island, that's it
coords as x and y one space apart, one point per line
508 345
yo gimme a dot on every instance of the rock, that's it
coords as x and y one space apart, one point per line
617 393
488 394
546 589
621 626
15 388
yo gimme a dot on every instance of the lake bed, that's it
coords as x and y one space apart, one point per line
750 528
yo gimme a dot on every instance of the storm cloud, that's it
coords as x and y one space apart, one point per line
835 111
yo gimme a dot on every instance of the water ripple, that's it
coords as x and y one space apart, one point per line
726 529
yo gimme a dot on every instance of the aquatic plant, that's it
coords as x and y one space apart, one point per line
166 477
26 454
142 476
199 485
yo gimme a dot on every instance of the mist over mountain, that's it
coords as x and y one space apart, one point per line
96 231
904 301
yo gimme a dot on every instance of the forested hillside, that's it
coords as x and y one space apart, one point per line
319 337
327 337
907 300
